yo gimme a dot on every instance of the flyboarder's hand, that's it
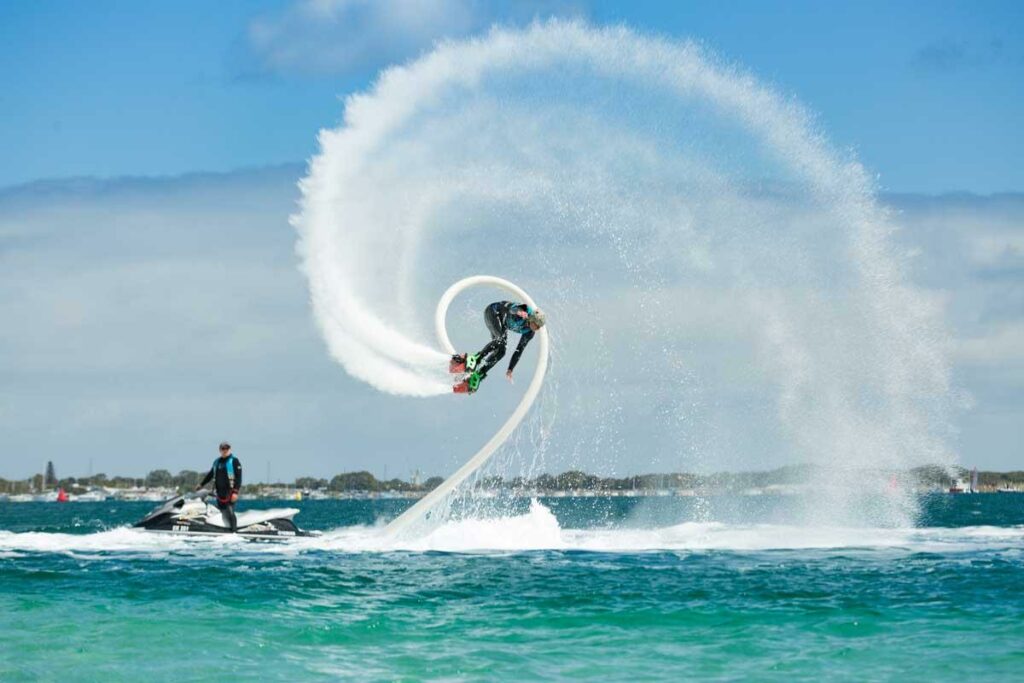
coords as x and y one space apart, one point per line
234 497
508 376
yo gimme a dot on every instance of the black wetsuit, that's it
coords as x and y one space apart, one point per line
501 317
226 474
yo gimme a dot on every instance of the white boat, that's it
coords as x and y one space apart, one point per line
93 496
151 495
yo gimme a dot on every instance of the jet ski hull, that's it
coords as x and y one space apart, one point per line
189 515
274 528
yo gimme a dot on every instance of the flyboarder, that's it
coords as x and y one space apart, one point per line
501 318
226 474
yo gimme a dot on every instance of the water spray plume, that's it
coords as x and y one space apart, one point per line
747 264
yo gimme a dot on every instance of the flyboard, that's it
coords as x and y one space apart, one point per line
427 502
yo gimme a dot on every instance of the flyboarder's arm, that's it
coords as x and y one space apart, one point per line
523 341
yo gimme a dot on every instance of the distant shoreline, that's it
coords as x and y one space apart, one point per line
789 480
159 495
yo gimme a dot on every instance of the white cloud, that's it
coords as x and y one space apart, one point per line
1002 346
145 320
336 36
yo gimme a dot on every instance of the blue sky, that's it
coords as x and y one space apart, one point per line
928 94
153 306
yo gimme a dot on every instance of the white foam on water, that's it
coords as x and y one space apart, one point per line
119 540
536 530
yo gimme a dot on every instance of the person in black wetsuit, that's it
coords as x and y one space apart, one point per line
226 474
503 317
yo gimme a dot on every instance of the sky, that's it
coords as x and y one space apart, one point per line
926 93
148 282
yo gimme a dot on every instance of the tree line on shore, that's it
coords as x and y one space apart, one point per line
572 480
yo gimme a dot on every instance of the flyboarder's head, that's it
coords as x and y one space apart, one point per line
225 449
536 319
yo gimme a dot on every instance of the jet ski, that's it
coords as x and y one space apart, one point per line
191 514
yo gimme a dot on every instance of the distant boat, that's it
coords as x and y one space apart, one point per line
93 496
958 487
151 495
1006 489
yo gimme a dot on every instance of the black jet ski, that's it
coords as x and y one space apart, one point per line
191 514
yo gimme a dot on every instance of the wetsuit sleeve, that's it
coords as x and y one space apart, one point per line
207 478
523 341
238 475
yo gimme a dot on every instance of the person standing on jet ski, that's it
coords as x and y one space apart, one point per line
226 474
501 317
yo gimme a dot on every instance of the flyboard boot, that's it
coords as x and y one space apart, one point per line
463 362
470 384
467 362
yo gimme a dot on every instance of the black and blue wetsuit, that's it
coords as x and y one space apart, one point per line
501 318
226 474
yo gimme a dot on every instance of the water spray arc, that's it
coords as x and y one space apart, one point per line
429 501
724 279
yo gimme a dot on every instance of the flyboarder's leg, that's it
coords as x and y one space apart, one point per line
495 349
488 356
492 352
464 362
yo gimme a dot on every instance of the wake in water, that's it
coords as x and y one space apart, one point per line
537 529
719 282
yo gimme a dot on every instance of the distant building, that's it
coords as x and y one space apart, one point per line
50 480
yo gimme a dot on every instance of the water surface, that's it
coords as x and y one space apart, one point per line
605 589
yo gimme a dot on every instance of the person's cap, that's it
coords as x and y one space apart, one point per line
537 318
224 444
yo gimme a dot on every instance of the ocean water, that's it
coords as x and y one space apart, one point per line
559 589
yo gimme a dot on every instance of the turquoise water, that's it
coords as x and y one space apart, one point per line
563 589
